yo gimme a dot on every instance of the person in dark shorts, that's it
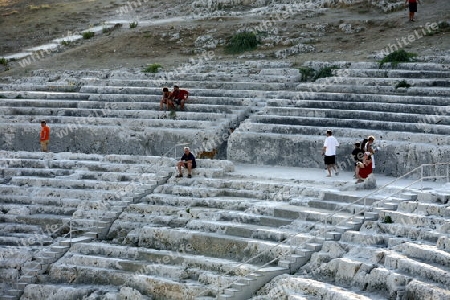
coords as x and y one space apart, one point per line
187 161
329 151
412 8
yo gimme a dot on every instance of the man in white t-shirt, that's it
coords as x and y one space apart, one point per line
329 151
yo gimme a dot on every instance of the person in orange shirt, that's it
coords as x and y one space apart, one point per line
45 136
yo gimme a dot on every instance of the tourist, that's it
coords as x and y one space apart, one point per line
412 8
45 136
358 155
364 168
187 161
165 99
178 97
329 151
369 147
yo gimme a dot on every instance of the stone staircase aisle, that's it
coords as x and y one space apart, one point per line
51 201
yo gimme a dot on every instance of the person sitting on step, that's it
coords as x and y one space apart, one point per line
364 168
165 99
178 97
187 161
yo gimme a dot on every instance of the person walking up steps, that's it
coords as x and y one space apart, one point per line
412 4
44 136
329 151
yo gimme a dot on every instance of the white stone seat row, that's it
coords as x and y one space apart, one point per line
414 66
352 135
400 74
288 98
336 87
116 113
102 108
205 99
358 106
389 82
411 116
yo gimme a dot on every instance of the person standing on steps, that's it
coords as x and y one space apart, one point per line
329 151
371 149
357 155
44 136
187 161
412 4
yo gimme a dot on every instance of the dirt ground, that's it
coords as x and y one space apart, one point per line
25 24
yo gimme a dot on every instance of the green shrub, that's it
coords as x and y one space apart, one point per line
133 25
87 35
65 43
153 68
388 220
307 73
397 57
402 84
241 42
3 61
325 72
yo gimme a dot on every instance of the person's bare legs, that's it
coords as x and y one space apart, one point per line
189 169
182 104
179 165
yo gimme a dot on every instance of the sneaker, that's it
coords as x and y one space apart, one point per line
179 175
359 181
337 173
189 176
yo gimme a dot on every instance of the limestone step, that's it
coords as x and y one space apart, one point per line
408 231
412 116
385 125
209 244
418 269
356 134
312 214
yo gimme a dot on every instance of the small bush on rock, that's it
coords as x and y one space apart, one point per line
388 220
241 42
402 84
325 72
87 35
153 68
397 57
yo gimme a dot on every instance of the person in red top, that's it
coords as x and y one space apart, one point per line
45 136
364 168
412 8
178 97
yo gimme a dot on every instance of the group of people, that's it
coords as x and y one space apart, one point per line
363 156
176 97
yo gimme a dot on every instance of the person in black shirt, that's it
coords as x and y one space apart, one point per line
358 155
186 161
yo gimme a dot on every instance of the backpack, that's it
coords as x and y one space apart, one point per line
363 144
